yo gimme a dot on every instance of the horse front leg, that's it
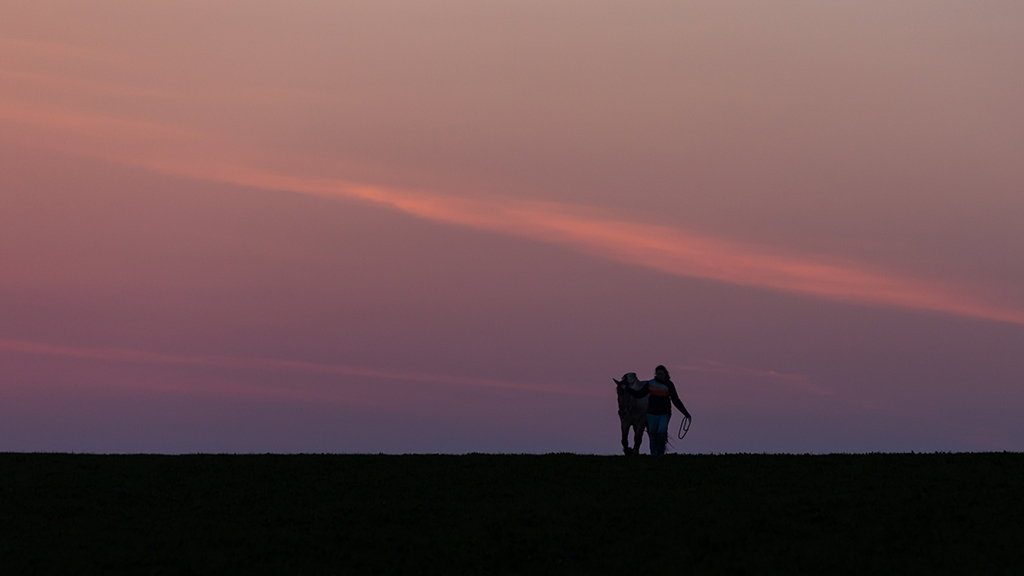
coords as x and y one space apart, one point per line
638 436
625 437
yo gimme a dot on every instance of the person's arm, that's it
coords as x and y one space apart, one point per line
643 391
675 399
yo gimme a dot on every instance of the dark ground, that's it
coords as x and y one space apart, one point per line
309 514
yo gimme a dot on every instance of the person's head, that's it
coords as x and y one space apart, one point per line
661 373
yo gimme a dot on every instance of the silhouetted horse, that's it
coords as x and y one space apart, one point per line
632 413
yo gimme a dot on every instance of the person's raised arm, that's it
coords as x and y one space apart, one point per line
675 399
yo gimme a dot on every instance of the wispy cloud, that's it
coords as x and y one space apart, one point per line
78 86
57 51
124 355
104 131
189 153
801 382
669 250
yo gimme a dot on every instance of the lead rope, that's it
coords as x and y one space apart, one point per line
684 427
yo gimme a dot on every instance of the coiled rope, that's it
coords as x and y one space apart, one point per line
684 426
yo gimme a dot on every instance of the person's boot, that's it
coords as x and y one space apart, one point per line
662 441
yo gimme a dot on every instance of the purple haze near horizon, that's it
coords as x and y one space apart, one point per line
173 277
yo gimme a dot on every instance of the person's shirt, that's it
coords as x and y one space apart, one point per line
662 396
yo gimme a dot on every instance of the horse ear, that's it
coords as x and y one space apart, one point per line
616 381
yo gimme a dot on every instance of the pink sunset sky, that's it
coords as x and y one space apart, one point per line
310 226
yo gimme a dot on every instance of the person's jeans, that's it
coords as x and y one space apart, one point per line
657 432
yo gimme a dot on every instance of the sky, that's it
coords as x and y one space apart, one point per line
446 226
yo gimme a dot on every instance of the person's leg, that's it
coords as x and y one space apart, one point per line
663 433
652 436
657 432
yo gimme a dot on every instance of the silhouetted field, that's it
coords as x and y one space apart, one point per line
312 514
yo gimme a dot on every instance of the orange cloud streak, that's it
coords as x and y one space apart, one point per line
670 250
674 251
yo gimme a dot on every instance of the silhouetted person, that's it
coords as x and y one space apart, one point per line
660 392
